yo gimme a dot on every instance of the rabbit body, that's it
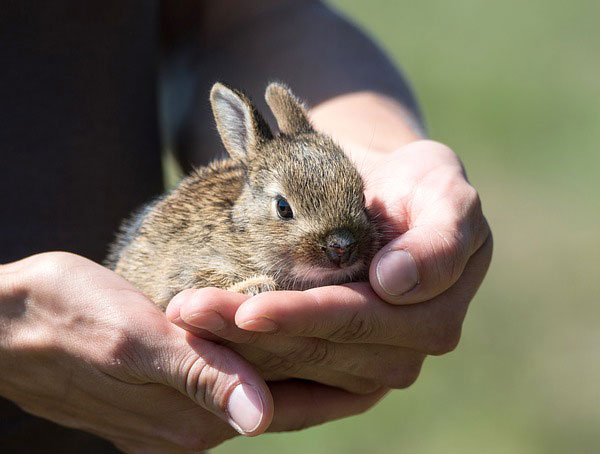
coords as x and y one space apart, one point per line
284 212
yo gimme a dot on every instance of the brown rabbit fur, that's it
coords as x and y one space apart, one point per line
284 212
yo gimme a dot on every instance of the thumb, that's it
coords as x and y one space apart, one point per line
425 261
217 379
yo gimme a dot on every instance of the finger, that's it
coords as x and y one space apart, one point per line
166 418
431 256
353 313
213 376
274 367
213 309
301 404
210 308
131 445
358 368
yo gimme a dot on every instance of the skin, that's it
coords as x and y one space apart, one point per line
150 386
360 337
107 361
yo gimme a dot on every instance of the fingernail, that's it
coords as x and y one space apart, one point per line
245 409
261 324
208 320
183 295
397 272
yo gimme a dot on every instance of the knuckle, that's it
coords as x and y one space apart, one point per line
472 200
123 355
274 363
474 212
48 265
457 239
356 329
207 294
206 382
189 438
401 378
304 421
313 351
455 251
450 251
253 337
474 222
362 386
192 440
445 339
129 446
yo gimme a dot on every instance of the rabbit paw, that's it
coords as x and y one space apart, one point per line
254 285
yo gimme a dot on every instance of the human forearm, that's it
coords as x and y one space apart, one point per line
11 305
81 347
326 60
439 243
66 320
366 123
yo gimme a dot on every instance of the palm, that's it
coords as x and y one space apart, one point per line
354 336
410 182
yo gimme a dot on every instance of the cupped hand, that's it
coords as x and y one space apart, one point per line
358 336
82 347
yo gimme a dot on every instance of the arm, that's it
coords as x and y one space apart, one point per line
326 60
440 244
81 347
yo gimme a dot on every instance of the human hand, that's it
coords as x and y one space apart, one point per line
354 336
82 347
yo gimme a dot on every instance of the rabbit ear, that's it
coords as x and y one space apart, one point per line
240 125
288 110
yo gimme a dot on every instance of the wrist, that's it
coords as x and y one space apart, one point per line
13 293
21 282
367 121
368 126
13 298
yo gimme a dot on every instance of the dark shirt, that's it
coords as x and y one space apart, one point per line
79 147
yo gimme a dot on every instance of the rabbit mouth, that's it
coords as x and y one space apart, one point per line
315 276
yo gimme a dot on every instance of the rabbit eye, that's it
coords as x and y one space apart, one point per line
284 210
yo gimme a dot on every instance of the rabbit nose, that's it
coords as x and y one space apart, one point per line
340 246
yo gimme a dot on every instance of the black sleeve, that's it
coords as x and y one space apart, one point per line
79 147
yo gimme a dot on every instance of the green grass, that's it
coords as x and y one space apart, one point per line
514 88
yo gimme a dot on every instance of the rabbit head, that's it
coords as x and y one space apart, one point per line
302 208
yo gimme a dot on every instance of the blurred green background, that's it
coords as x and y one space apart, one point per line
514 88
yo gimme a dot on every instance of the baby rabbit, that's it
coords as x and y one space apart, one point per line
284 212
